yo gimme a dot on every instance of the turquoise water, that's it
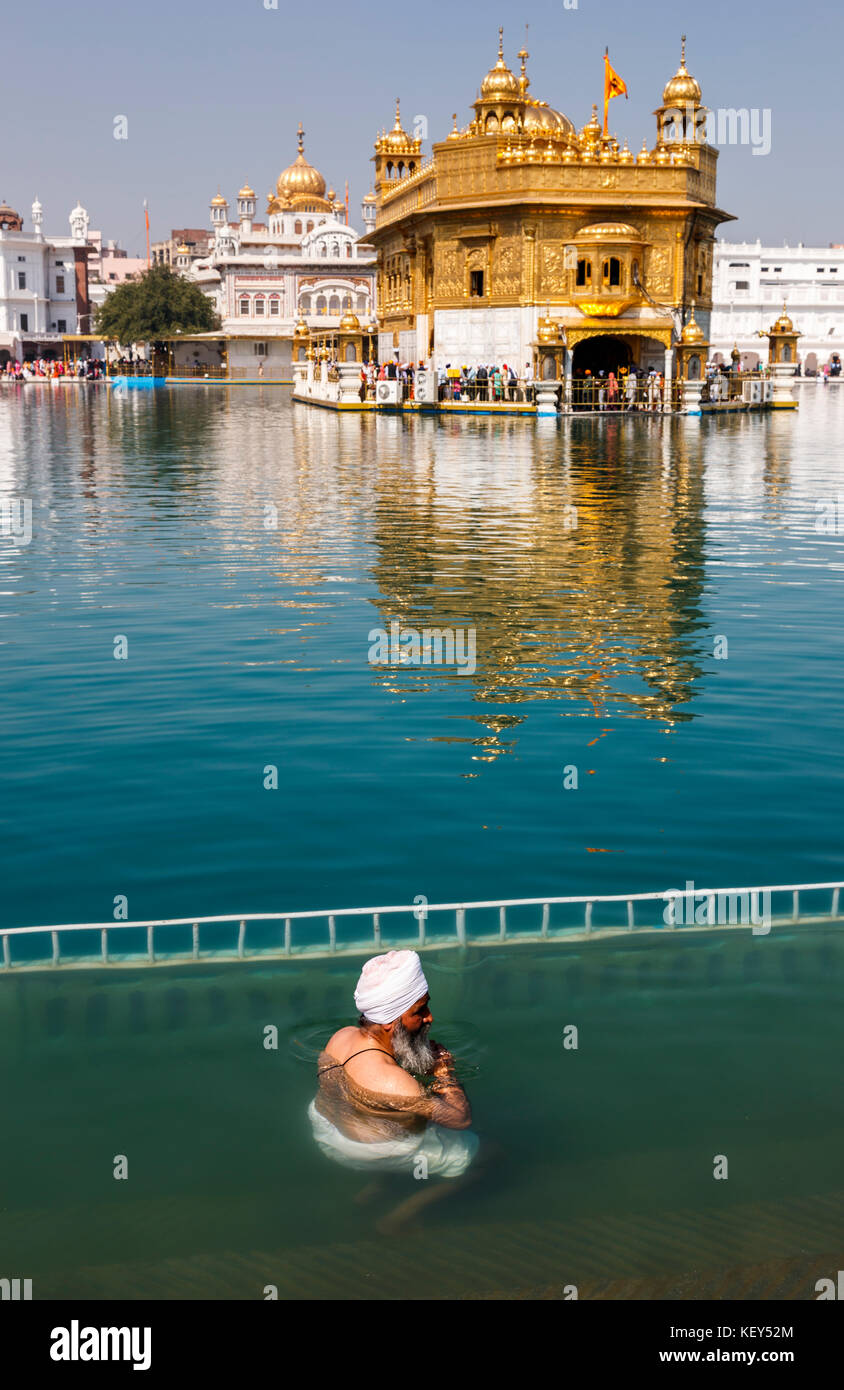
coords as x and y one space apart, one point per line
597 1162
679 646
247 647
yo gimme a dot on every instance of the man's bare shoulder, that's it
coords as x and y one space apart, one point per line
341 1043
385 1075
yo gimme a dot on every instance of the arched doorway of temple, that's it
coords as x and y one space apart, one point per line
605 354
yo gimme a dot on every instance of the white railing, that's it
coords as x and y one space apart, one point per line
743 905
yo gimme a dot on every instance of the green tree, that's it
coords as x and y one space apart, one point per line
155 307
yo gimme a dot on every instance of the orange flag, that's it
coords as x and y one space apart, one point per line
614 86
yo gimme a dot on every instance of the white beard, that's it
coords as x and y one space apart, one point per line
412 1050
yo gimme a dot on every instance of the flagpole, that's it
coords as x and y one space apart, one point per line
606 85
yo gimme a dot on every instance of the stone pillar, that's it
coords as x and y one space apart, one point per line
349 383
669 364
546 397
567 382
691 396
300 376
782 382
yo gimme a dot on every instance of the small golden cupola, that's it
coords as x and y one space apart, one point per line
500 102
397 154
682 116
692 333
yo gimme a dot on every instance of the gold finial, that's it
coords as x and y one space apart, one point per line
683 52
398 115
500 42
301 137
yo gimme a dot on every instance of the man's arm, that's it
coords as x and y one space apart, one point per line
451 1104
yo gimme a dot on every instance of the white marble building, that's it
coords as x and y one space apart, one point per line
43 284
750 284
305 262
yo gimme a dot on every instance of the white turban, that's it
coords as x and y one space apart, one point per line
389 985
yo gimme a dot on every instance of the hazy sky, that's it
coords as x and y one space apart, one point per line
212 91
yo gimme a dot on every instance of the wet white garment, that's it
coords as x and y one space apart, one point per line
447 1152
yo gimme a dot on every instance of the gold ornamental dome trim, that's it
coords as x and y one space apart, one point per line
783 323
246 192
218 201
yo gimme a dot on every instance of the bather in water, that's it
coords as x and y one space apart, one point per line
371 1113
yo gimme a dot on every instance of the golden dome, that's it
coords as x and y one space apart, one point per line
783 323
692 333
246 192
218 201
500 84
397 138
369 198
349 323
300 176
682 87
644 155
540 117
454 133
547 329
626 155
609 232
301 330
182 250
591 132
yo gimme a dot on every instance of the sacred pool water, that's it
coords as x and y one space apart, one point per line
653 699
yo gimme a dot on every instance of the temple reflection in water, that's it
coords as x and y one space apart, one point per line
577 558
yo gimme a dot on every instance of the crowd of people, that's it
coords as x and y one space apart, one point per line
40 368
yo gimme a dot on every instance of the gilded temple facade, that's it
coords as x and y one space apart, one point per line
523 240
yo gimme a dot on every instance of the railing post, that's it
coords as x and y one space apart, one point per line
502 923
287 936
795 905
150 944
241 940
710 910
461 925
834 912
587 917
104 943
630 921
195 935
55 939
7 958
332 934
376 928
546 913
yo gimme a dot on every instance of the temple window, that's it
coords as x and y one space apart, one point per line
259 308
584 272
244 306
297 228
476 284
611 271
